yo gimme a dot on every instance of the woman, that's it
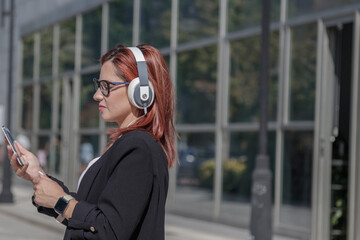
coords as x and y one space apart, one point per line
122 194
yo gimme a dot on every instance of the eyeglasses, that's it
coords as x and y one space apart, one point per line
104 85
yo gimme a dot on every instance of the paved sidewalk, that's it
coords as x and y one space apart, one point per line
177 228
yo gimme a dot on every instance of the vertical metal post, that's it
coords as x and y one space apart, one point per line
261 217
6 196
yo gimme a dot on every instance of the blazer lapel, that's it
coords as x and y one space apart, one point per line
88 179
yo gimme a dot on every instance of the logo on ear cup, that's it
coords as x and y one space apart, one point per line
134 94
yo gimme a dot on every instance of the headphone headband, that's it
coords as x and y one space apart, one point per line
140 91
142 71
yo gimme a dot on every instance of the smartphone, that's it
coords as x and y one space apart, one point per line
10 139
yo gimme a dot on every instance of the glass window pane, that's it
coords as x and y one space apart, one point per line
196 86
120 23
43 151
89 149
248 13
297 179
91 38
303 72
67 45
198 19
28 57
46 49
60 105
27 108
237 173
155 22
54 163
296 7
89 113
46 93
245 77
195 174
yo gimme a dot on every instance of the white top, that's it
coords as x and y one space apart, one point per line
87 168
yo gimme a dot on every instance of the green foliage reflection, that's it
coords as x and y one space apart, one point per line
120 23
46 50
67 45
245 78
45 105
155 22
248 13
28 57
89 114
303 73
198 19
196 86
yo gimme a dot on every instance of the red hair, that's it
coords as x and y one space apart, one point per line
159 119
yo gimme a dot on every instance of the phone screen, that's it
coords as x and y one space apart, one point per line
10 139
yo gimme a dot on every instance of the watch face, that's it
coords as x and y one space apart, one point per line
61 205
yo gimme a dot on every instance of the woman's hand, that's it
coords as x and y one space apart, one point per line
47 192
31 169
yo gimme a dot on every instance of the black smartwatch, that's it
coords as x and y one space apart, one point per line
62 204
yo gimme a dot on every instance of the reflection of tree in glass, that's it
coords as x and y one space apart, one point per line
46 50
120 23
27 108
89 114
244 14
196 86
297 173
28 56
45 105
303 73
155 22
245 77
198 19
91 38
67 45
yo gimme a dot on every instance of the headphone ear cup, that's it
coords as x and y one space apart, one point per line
134 94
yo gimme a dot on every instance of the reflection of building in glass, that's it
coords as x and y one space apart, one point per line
213 50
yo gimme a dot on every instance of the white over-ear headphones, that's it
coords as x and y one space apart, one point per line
140 91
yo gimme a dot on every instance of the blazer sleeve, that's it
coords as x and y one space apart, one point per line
122 203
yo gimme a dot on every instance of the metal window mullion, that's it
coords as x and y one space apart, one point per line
220 111
19 87
105 28
36 99
136 22
55 96
173 69
65 131
318 171
104 48
56 80
74 163
354 135
287 79
280 111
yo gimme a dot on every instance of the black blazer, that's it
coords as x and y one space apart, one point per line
122 196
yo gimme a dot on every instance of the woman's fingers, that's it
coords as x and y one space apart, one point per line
13 161
10 151
21 171
19 148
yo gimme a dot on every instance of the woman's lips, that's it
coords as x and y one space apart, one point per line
101 107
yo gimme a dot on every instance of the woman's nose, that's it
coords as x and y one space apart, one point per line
98 95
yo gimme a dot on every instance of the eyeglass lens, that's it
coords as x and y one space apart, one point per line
104 86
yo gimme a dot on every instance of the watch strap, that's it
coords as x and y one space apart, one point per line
68 197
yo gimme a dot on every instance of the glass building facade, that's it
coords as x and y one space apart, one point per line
212 48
